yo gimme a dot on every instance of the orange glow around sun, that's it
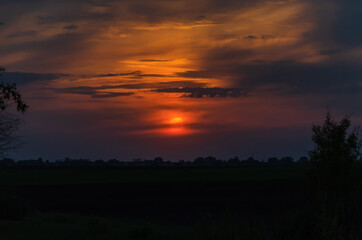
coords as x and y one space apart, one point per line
177 127
176 120
171 123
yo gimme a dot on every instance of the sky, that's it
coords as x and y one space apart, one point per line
179 78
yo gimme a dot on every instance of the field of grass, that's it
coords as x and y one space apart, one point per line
55 226
155 203
147 175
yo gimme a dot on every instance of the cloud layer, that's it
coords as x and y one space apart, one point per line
122 69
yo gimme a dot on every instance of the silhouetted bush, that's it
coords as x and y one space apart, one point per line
9 123
334 180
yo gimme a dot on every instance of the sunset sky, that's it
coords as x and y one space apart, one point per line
180 78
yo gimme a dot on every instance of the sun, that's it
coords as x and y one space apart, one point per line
176 120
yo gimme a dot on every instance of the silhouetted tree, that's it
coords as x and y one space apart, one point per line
199 160
272 160
334 155
158 160
9 95
233 161
286 160
303 160
250 161
335 180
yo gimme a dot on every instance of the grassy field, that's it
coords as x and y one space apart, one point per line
55 226
147 175
155 203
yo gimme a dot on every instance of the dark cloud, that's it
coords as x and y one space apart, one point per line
70 27
73 17
157 11
293 77
348 22
337 22
101 91
2 23
107 94
25 78
227 54
172 84
58 50
31 33
155 60
134 74
199 18
329 52
225 36
194 74
287 76
267 36
251 37
92 92
200 92
150 75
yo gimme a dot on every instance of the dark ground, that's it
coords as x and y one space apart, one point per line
181 203
271 203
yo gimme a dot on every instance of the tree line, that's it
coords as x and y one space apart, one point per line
209 161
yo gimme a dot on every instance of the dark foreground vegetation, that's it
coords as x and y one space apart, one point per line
319 199
209 161
200 202
260 202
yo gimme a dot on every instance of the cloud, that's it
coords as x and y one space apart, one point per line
156 60
26 78
150 75
204 92
251 37
101 91
70 27
92 92
134 74
171 84
54 53
267 37
291 77
154 12
195 74
101 22
328 52
2 23
336 23
227 54
31 33
238 65
69 18
347 23
109 94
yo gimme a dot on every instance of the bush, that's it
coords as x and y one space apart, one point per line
334 180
